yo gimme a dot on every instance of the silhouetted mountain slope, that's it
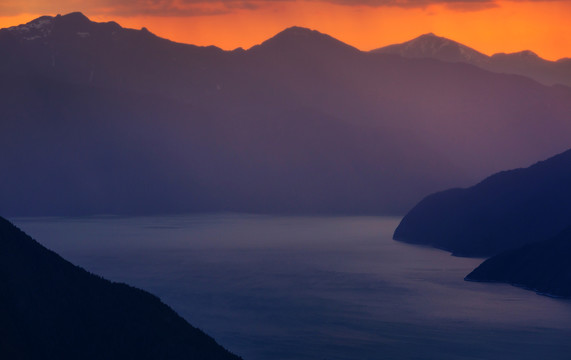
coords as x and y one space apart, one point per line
524 63
502 212
542 266
51 309
108 119
74 49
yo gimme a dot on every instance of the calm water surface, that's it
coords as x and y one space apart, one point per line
313 287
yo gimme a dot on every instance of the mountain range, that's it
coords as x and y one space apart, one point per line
102 119
525 63
52 309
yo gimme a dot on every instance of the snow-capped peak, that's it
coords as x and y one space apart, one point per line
428 44
35 29
433 46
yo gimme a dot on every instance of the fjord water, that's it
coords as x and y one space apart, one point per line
269 287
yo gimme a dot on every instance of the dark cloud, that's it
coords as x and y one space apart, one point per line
179 7
471 6
213 7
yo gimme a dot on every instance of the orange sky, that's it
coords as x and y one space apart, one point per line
486 25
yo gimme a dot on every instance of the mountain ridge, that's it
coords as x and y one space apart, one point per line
143 124
80 18
429 45
525 62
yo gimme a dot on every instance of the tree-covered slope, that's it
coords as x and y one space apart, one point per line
52 309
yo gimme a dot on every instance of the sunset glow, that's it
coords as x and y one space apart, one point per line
487 26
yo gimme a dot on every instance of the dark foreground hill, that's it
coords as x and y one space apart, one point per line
51 309
543 266
505 211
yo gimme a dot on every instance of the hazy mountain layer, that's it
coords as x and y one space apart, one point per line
51 309
101 119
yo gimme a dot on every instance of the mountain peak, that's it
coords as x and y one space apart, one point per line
430 35
433 46
75 17
43 26
37 28
297 33
72 25
528 53
296 38
431 40
74 21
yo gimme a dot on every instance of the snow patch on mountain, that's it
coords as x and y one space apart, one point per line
433 46
36 29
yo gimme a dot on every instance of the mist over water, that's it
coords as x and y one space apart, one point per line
270 287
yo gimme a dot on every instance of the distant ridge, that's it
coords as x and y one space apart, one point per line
436 47
296 37
525 63
51 309
100 119
428 45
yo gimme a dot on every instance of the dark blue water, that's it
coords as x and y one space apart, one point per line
314 287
